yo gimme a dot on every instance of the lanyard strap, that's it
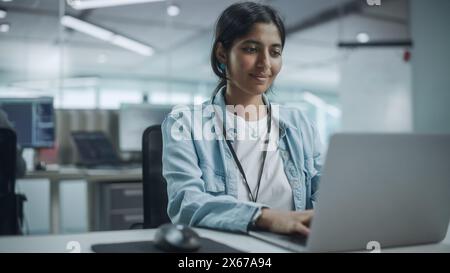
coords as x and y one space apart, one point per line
238 163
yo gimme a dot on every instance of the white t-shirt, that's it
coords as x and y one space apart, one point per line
275 190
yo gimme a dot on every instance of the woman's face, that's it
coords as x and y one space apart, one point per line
255 59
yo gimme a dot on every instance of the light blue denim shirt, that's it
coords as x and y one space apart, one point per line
202 176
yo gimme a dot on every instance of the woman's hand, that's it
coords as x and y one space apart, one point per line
287 222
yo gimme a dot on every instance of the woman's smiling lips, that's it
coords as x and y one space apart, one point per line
260 77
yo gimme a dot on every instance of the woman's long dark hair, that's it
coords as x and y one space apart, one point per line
237 21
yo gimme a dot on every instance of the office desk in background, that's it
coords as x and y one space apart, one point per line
245 243
91 176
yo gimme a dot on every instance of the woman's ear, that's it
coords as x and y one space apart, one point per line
221 54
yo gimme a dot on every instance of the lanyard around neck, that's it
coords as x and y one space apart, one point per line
238 163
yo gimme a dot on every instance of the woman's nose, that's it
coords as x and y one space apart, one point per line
263 60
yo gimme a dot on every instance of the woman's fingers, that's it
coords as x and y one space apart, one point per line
286 222
309 213
307 221
302 221
302 229
308 218
304 216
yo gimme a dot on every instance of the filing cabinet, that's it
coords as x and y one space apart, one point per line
118 205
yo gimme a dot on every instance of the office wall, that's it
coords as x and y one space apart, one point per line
431 65
375 91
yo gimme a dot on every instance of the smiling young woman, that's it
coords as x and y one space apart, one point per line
236 183
252 64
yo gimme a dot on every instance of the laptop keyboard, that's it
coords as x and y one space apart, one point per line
297 239
291 242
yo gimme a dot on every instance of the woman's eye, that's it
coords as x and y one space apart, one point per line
276 53
250 49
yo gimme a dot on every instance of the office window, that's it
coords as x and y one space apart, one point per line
159 97
76 99
199 99
173 98
111 99
180 98
324 114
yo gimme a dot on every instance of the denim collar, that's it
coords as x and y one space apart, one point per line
283 121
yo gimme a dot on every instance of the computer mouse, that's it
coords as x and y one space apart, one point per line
176 238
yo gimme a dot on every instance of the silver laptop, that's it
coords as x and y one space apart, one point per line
393 189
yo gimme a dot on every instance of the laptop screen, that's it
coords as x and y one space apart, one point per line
94 148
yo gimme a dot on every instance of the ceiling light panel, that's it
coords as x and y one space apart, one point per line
93 4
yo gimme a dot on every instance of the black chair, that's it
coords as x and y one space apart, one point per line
154 184
11 204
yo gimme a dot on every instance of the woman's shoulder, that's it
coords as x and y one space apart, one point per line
303 127
294 116
178 110
186 113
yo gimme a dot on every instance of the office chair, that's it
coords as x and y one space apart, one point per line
11 204
154 184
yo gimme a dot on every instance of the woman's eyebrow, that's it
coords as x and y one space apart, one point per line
259 43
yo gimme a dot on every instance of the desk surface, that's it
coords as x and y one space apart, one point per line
59 243
68 173
91 175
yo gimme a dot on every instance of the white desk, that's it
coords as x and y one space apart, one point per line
90 176
58 243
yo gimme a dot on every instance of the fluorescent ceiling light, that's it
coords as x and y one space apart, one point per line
132 45
173 10
363 37
87 28
4 27
3 13
106 35
92 4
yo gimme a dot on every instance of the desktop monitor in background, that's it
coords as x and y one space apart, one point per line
33 120
134 119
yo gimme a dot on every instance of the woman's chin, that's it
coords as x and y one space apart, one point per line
254 89
260 89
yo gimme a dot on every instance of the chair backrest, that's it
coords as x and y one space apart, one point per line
9 224
8 144
154 184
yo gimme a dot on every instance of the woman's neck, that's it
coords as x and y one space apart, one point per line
251 107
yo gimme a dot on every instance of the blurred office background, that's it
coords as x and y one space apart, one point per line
350 65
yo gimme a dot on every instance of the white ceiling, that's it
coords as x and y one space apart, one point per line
31 51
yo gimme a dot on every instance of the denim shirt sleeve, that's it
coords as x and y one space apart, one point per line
318 162
188 201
